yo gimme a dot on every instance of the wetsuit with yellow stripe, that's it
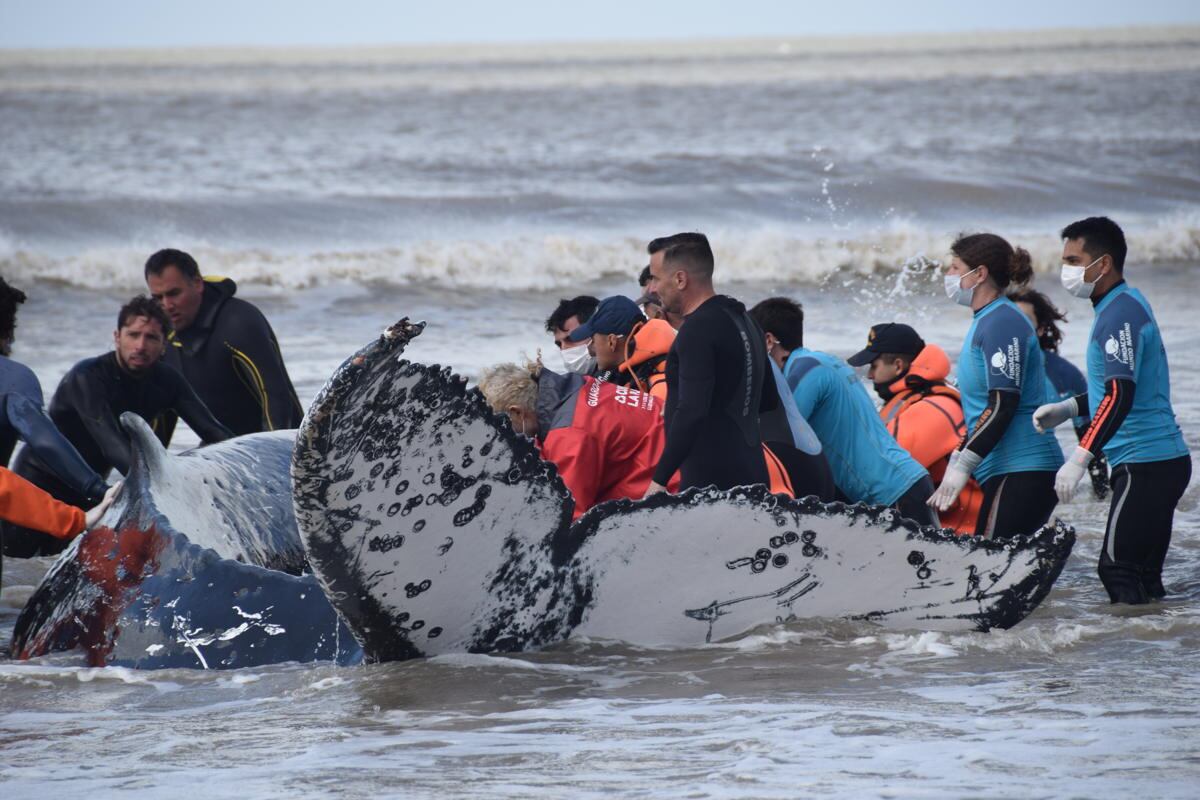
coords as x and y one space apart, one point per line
231 357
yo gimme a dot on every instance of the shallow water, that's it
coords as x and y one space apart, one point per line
1083 699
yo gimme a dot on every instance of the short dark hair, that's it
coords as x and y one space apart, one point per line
1047 314
1006 264
783 318
1101 236
644 277
691 253
143 306
582 306
10 298
182 261
663 242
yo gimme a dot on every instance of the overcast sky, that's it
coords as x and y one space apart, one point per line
172 23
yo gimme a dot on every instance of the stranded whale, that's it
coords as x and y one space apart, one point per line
197 564
434 528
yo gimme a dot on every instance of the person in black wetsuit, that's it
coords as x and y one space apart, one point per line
88 404
223 346
718 379
22 417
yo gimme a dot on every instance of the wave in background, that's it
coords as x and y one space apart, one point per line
562 261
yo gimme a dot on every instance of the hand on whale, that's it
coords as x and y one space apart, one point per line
434 528
94 513
196 563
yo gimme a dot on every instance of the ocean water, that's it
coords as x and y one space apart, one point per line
473 187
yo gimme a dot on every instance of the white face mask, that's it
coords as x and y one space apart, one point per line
956 292
578 360
1073 282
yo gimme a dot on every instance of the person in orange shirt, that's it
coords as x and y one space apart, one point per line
632 350
24 504
920 410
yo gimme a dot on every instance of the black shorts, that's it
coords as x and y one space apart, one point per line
1142 511
1016 503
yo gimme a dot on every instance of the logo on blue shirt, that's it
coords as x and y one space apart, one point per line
1119 347
1007 361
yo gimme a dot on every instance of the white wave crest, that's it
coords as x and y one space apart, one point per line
528 263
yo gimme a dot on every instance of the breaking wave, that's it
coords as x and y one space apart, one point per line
556 261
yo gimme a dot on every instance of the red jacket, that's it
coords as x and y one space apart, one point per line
605 440
926 417
24 504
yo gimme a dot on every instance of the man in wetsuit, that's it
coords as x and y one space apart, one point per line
718 380
868 465
22 417
88 404
223 346
1133 423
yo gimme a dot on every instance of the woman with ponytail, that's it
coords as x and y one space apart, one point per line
1002 378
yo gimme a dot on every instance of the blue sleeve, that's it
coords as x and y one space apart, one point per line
808 381
1119 333
1002 338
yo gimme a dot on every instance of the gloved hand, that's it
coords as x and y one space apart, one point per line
94 513
1070 473
1051 415
1098 470
958 472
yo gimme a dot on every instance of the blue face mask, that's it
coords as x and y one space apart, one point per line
955 290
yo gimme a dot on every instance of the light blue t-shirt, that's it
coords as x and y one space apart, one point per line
1002 352
1125 343
867 463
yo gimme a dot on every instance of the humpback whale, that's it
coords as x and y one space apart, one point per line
198 563
434 528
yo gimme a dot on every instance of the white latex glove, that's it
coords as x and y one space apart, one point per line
1051 415
958 472
1070 473
94 513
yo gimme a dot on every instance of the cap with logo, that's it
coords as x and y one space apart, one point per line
616 314
888 337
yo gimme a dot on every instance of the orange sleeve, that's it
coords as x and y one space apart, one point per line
24 504
579 461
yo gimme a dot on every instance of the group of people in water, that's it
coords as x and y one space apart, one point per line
686 388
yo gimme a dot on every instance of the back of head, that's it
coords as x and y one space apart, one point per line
10 298
508 385
143 306
582 307
691 253
783 318
1006 265
1101 237
1046 314
644 276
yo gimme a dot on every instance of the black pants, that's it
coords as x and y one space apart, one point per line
912 504
1140 516
1016 503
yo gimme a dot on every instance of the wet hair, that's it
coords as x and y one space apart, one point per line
143 306
1047 315
10 298
1101 236
582 306
182 261
511 384
689 252
644 277
783 318
1006 266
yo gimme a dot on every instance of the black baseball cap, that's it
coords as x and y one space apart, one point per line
616 314
888 337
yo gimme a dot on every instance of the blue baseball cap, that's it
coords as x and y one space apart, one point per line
616 314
